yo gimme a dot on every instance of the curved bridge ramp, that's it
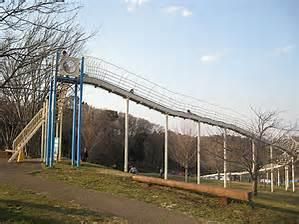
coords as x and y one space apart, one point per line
117 80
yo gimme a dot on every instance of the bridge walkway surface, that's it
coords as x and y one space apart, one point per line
134 211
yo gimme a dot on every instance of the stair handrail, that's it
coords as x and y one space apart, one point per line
39 116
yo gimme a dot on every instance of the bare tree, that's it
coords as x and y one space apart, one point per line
27 58
266 125
92 134
49 27
183 148
212 148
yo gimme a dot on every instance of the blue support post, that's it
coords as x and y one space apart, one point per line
53 112
49 125
74 124
80 114
53 123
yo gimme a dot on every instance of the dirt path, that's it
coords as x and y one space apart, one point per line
132 210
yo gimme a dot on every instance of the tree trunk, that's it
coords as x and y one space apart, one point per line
186 174
254 184
218 175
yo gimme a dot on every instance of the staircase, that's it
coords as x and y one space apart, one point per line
26 134
36 123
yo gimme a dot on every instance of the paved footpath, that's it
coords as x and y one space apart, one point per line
132 210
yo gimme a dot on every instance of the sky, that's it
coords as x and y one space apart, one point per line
233 53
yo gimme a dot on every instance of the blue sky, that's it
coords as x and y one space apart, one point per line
235 54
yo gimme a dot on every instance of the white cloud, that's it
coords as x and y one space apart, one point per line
174 9
285 50
186 13
134 4
210 58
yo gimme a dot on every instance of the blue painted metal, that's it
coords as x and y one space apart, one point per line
53 123
67 79
80 114
53 111
74 124
48 149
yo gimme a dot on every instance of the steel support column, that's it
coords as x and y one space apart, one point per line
42 149
57 133
46 130
75 103
253 155
60 135
126 152
53 121
49 142
224 160
166 148
278 177
271 174
53 112
198 152
286 169
80 114
293 175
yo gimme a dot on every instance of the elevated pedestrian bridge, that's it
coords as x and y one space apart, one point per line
120 81
117 80
105 75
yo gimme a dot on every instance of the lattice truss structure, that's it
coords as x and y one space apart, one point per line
103 70
292 146
117 76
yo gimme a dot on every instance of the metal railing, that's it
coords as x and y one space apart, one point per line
117 76
121 78
26 133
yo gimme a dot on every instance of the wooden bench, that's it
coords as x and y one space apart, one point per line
224 193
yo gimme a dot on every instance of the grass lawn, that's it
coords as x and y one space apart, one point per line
27 207
278 207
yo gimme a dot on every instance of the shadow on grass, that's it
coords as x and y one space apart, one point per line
280 201
280 195
292 216
84 164
15 211
10 216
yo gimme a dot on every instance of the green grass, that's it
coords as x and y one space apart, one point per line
27 207
279 207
